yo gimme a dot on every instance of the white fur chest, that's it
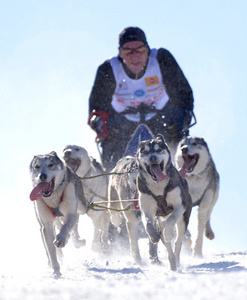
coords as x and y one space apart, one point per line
197 186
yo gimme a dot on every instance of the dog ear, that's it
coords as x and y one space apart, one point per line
31 163
53 153
204 143
160 137
55 157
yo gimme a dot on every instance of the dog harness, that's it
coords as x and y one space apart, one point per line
163 208
55 210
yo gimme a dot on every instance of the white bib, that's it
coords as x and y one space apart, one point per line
149 89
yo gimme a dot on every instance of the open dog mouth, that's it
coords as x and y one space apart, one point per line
43 189
73 163
190 162
156 171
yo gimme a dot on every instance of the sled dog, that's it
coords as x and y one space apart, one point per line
121 189
164 197
57 200
95 190
196 165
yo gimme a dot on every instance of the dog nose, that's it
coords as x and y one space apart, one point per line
184 150
43 177
153 159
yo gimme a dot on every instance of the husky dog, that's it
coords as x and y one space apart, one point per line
95 190
195 163
122 188
164 197
59 197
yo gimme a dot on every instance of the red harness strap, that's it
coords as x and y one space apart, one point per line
55 211
136 201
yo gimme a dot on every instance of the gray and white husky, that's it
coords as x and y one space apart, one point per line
164 198
123 196
95 190
196 165
58 198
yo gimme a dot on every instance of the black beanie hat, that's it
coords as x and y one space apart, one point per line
131 34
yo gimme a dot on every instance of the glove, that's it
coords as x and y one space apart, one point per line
96 123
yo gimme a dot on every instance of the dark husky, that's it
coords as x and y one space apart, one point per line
163 195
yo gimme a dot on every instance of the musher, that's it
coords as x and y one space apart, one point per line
140 85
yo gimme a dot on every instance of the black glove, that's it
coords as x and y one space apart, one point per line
96 123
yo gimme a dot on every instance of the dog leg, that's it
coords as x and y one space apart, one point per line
77 240
62 238
180 236
187 242
42 234
153 254
57 225
48 234
171 255
209 232
105 222
202 220
174 199
47 229
114 207
96 219
153 234
148 212
132 228
170 223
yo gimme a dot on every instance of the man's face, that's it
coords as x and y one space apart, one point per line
134 55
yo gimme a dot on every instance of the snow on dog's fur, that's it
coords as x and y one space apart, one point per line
164 198
196 165
57 197
95 190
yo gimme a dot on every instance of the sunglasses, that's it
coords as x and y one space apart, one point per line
128 51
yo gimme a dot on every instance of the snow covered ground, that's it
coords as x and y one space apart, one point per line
24 273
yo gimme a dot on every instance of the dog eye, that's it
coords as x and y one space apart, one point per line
77 149
50 165
194 144
159 150
145 152
37 167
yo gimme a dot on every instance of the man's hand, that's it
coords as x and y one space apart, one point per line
96 123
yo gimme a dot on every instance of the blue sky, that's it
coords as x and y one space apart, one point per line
49 54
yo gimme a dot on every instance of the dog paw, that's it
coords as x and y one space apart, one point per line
153 234
78 243
209 234
137 259
154 260
56 274
198 254
60 242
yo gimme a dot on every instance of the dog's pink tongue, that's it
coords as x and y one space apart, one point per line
183 171
158 173
37 192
